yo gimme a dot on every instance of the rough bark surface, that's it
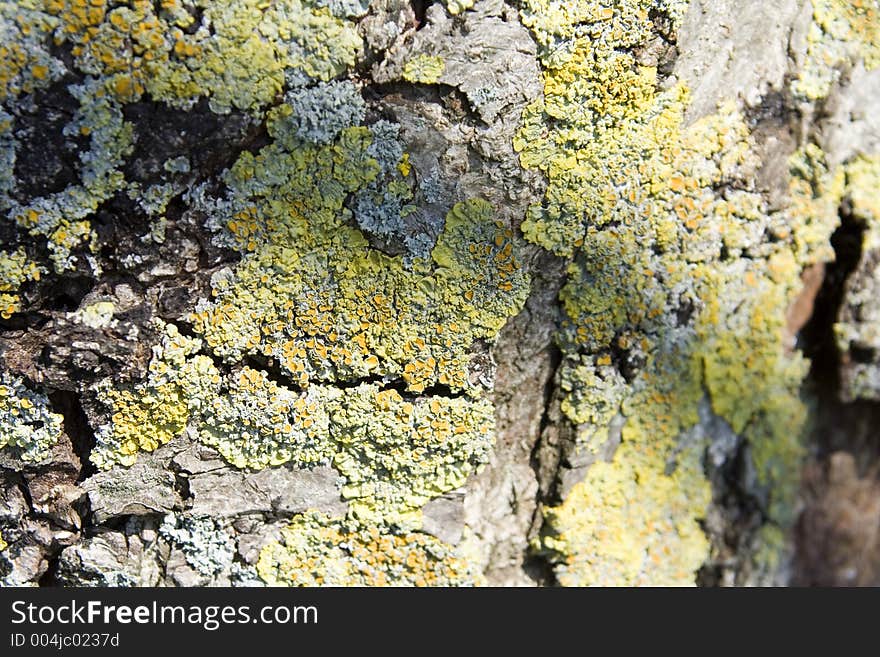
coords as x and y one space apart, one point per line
439 293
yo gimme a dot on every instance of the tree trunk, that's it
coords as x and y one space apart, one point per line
439 293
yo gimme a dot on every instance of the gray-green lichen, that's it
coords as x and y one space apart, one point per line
206 547
27 425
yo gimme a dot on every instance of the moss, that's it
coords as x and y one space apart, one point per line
27 425
316 550
425 69
842 32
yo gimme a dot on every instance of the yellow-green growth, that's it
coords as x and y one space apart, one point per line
842 32
424 69
316 550
311 293
97 315
27 425
397 454
661 306
257 423
157 410
456 7
3 543
15 269
25 62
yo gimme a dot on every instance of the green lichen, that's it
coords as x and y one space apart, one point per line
673 293
312 297
15 270
456 7
841 33
397 454
157 410
424 69
97 315
27 425
234 53
3 543
317 550
257 423
310 292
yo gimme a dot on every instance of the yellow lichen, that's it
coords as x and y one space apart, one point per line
15 270
236 55
842 32
158 409
316 550
661 307
425 69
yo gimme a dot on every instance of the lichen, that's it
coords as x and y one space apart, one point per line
353 332
3 543
310 292
257 423
424 69
155 411
62 217
841 33
15 270
673 293
97 315
205 545
26 63
27 425
234 53
345 8
456 7
397 454
318 114
317 550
